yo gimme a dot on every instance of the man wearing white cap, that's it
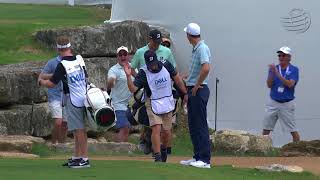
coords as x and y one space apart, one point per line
120 94
282 80
198 96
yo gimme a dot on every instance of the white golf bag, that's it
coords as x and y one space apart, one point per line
100 113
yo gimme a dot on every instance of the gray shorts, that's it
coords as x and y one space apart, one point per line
284 112
75 115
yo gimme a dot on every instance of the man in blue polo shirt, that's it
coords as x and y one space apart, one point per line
198 96
60 129
282 80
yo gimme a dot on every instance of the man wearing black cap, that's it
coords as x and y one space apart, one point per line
155 77
164 54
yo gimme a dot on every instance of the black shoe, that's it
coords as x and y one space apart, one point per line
164 154
68 162
157 157
80 163
169 150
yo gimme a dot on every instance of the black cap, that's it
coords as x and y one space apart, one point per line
150 57
156 35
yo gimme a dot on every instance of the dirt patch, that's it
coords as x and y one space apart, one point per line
17 155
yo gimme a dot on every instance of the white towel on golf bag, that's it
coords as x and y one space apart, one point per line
98 101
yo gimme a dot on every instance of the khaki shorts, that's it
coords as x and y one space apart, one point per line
56 110
284 112
164 119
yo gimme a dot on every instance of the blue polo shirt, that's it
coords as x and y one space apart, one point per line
288 93
200 55
54 94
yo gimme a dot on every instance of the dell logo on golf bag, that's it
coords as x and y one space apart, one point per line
77 78
160 81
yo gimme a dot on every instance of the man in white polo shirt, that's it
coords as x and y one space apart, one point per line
120 94
282 80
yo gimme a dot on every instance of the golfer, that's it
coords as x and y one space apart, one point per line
71 71
198 96
282 80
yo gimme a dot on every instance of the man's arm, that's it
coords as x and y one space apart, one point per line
45 76
131 86
289 83
270 76
178 81
270 81
110 83
46 83
205 69
57 76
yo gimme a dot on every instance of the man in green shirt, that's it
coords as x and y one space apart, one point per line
163 53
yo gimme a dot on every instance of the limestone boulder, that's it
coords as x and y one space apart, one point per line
100 40
18 143
18 84
301 148
235 141
26 120
96 146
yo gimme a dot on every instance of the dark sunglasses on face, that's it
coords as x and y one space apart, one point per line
281 55
122 54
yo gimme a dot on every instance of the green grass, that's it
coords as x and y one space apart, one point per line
17 169
18 22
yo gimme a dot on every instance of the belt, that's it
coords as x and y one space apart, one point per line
190 87
283 101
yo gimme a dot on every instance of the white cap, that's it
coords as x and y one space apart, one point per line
122 48
192 29
285 50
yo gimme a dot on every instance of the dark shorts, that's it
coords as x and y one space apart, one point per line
122 120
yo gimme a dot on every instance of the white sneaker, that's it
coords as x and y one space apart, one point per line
200 164
187 162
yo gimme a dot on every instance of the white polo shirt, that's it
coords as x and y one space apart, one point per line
120 93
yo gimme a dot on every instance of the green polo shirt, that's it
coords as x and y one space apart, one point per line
164 54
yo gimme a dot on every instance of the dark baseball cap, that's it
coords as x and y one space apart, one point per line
156 35
150 58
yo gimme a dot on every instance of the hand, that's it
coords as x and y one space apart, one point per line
185 99
184 76
195 89
273 68
127 69
39 82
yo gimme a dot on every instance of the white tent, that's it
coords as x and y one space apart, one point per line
243 37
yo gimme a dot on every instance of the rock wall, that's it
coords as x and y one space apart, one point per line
23 107
101 40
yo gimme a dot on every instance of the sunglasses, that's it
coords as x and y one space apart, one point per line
281 55
122 54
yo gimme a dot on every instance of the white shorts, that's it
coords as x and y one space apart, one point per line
284 112
56 109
